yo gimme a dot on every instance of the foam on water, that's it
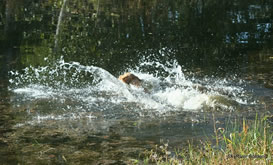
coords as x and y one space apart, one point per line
78 89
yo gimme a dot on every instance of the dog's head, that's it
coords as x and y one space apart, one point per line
130 78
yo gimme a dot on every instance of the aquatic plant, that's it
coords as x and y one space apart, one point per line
250 143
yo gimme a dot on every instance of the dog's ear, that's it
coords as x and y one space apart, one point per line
135 80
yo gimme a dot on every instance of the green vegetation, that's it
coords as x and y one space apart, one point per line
249 143
100 32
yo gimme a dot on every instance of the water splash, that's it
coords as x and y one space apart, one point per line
72 88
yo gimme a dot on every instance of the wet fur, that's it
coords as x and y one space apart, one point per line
130 78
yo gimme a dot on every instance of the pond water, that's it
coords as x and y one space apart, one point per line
61 101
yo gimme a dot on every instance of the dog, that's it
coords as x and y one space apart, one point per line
130 79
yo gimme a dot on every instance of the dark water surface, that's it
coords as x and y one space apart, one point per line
60 100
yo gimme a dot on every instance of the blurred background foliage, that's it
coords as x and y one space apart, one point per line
116 34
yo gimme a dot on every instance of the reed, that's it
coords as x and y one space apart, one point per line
245 142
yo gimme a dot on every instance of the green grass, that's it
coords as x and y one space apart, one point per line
241 143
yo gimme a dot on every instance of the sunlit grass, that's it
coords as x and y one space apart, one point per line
244 142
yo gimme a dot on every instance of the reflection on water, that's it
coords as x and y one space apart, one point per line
60 100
